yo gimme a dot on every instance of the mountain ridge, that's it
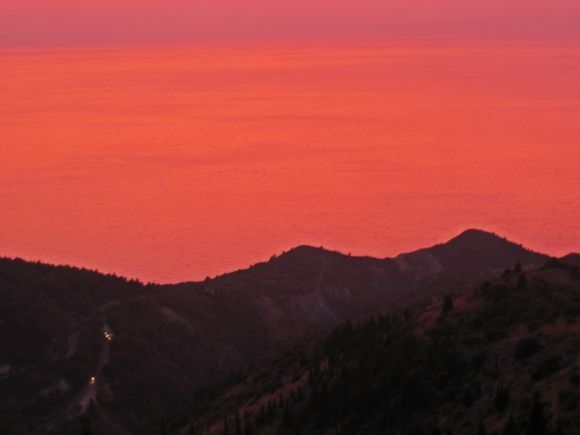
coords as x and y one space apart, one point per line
466 237
470 235
197 333
467 363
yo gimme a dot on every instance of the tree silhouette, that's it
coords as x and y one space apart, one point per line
510 427
447 305
248 425
502 399
538 422
86 426
226 426
238 424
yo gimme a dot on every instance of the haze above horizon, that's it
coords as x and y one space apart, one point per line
68 23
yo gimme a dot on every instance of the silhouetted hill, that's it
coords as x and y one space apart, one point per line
169 341
573 259
472 250
501 359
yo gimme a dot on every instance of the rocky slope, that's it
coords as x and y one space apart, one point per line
503 358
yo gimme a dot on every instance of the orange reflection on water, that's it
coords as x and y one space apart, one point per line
173 164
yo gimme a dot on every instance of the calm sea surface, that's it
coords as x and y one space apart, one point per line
171 164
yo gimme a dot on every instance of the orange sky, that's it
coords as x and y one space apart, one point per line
173 139
74 22
169 164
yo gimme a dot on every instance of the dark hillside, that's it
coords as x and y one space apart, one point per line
470 253
149 347
501 360
573 259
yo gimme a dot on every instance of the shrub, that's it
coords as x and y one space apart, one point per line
522 282
467 398
546 368
568 399
573 310
447 305
495 334
575 379
527 347
478 360
502 399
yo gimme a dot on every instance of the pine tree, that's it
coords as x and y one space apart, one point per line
86 426
300 395
226 425
271 410
502 399
238 424
192 429
261 417
434 429
248 425
288 417
447 305
510 427
538 422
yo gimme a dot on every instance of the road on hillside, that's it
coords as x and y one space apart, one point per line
89 392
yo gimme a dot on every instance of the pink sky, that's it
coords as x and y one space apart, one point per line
66 22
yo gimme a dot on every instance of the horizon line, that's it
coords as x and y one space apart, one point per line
282 42
276 255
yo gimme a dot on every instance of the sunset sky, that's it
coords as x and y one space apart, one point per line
171 140
66 22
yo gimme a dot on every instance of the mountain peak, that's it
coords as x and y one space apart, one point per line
474 235
304 248
472 249
485 249
305 254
